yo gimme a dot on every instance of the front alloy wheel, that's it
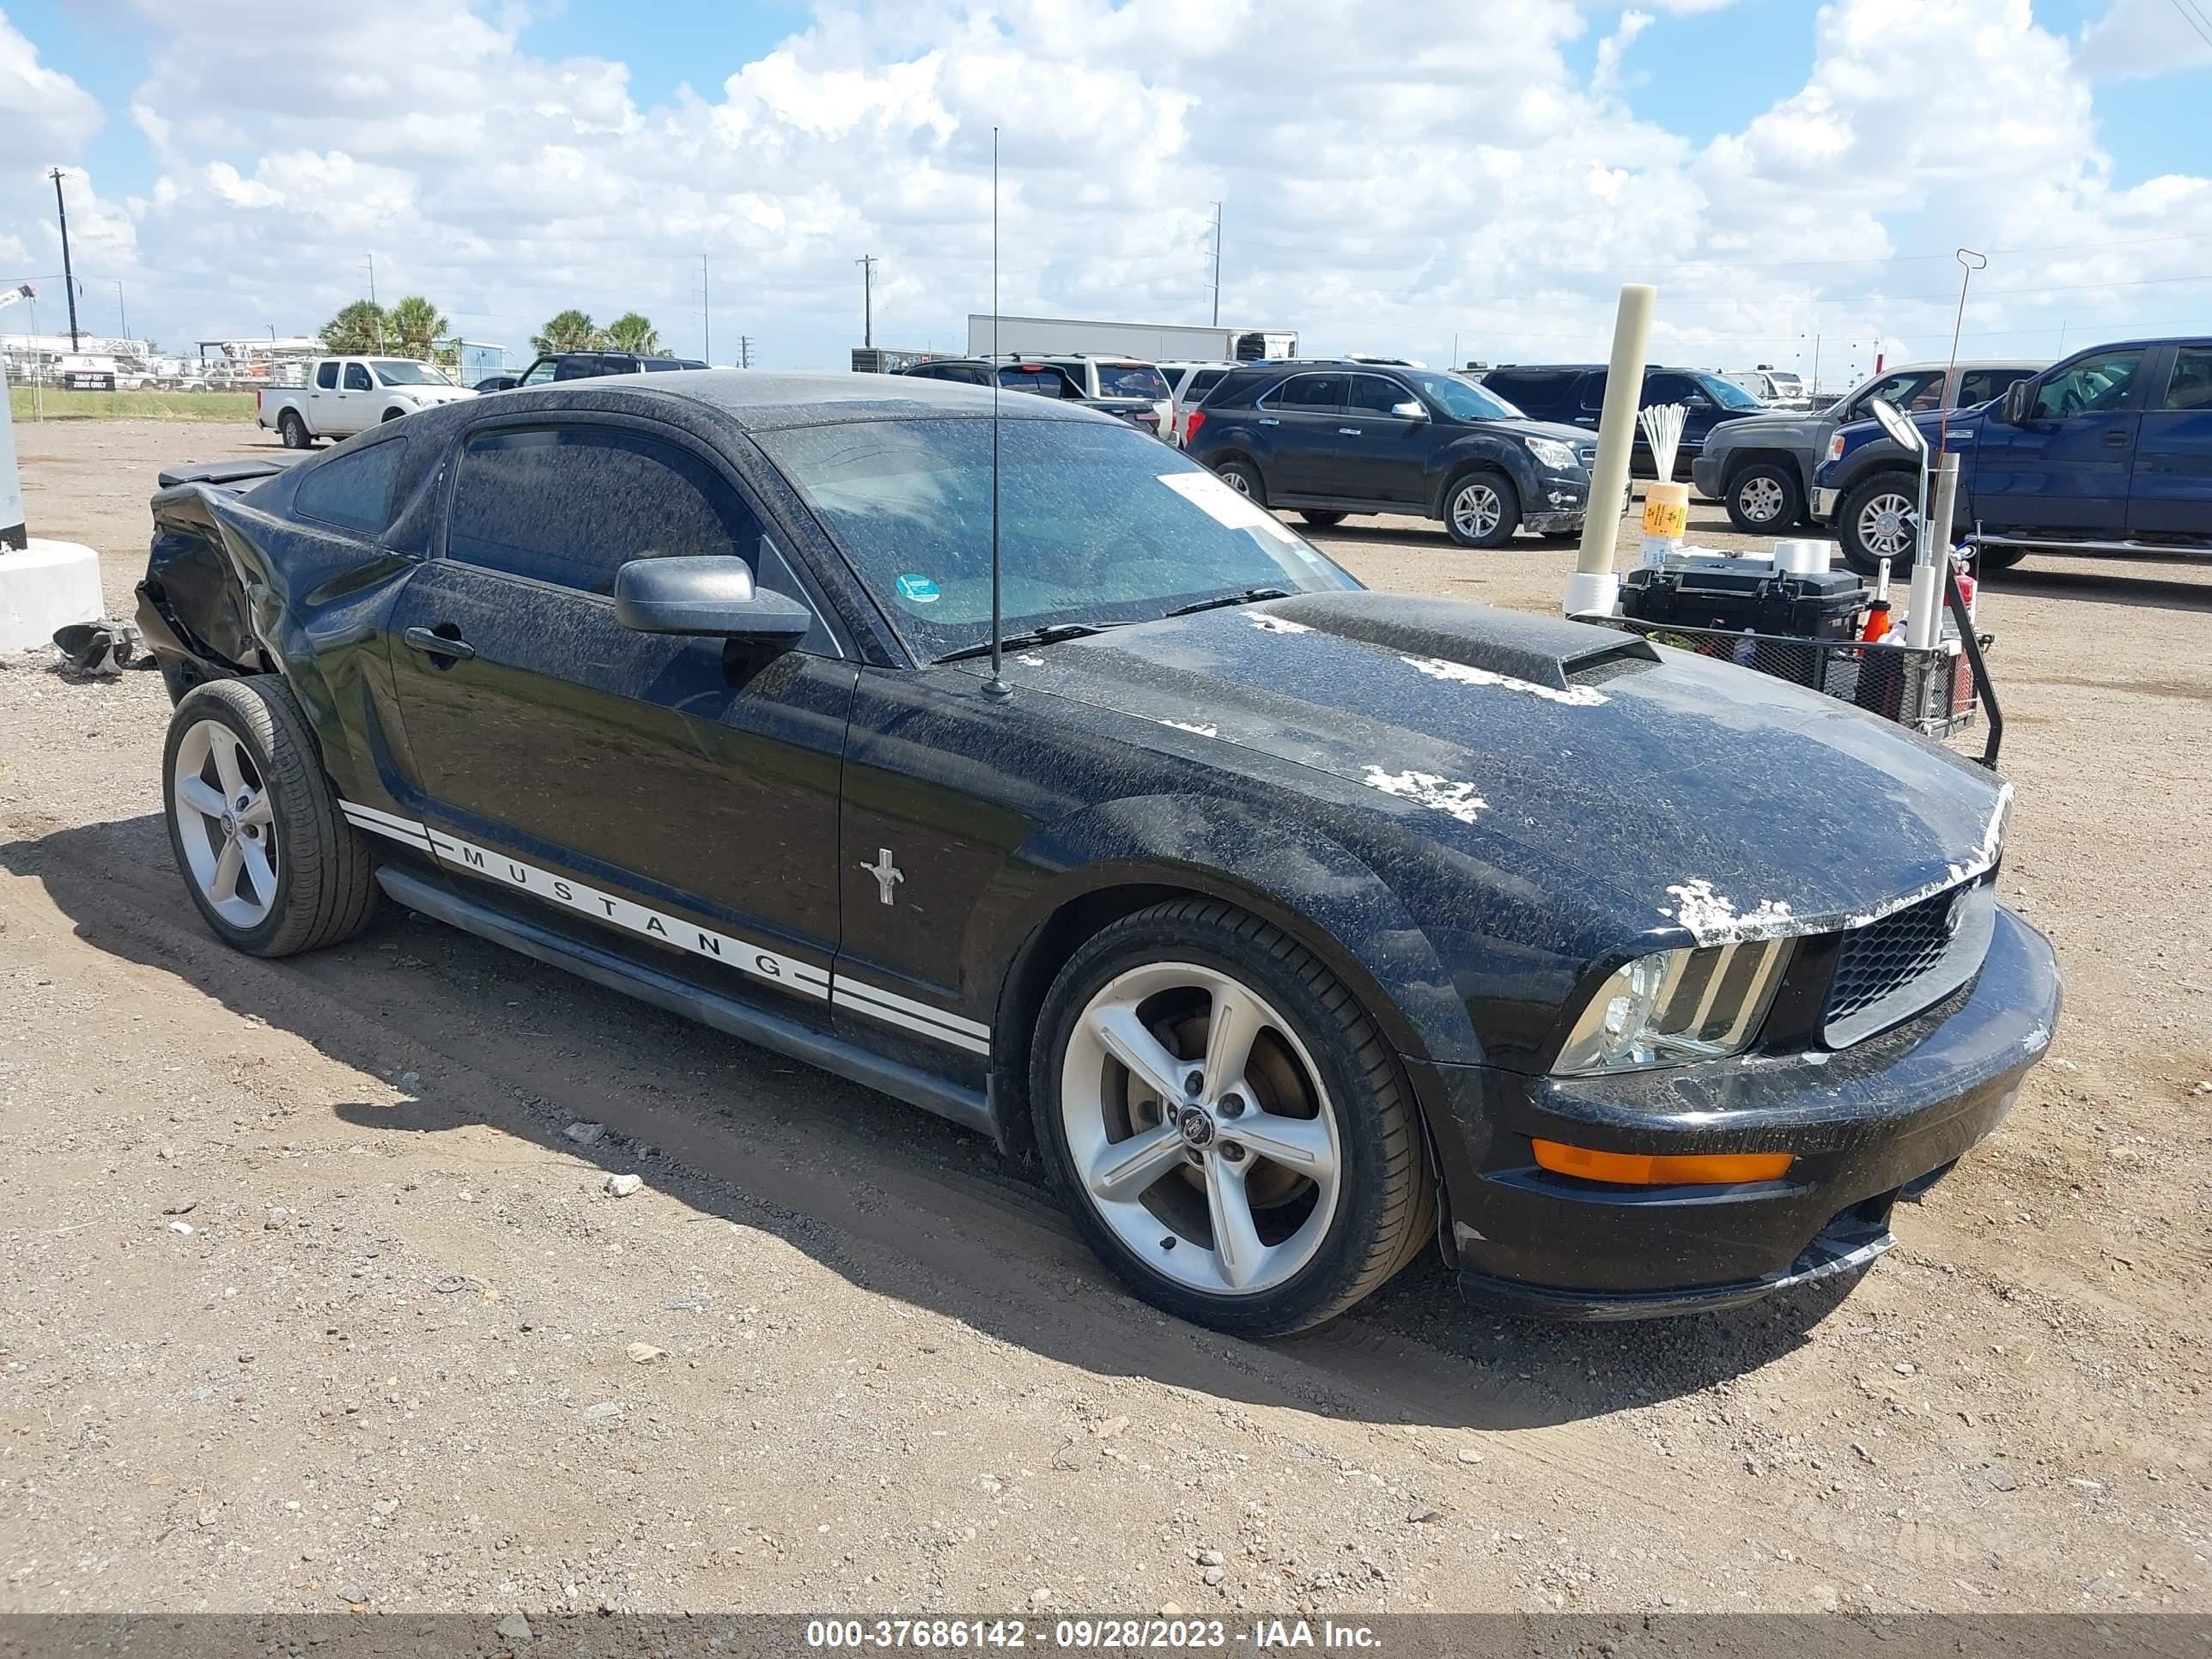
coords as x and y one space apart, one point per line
1884 524
1482 511
1232 1135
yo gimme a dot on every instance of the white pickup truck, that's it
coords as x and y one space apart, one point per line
345 395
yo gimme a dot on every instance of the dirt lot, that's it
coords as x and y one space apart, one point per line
310 1302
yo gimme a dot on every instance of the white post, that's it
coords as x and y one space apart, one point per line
1924 623
1595 587
12 534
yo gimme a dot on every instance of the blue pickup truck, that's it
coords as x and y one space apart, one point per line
2108 451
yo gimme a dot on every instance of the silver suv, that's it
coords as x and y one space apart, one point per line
1761 466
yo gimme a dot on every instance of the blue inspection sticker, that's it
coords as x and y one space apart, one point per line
918 590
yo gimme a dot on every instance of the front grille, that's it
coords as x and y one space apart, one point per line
1892 968
1586 455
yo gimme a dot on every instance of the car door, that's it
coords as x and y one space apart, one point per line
1305 453
674 792
354 404
323 397
2172 489
2068 464
1387 456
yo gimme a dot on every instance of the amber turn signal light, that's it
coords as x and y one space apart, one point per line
1661 1169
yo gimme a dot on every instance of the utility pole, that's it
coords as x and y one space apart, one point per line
1216 264
120 310
745 352
867 264
372 301
68 278
706 323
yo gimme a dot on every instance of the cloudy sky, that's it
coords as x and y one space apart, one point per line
1398 175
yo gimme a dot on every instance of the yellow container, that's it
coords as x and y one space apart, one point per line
1666 511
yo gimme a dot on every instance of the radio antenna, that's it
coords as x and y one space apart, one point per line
995 686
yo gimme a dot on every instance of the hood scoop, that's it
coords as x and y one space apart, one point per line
1544 650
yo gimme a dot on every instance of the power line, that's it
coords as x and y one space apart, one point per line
2195 20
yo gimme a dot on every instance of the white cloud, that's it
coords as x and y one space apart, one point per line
46 113
1445 176
2142 38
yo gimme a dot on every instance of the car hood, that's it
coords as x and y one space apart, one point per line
1782 429
1559 431
1667 791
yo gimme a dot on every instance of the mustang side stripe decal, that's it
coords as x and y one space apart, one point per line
747 958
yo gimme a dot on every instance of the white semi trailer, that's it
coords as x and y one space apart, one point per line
1151 343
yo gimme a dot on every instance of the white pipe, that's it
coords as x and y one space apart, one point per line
1594 589
1924 621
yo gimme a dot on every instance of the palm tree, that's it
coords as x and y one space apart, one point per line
360 328
412 325
632 332
572 330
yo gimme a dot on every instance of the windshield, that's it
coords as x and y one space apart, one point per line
1785 383
1727 393
1461 399
1098 523
403 372
1131 381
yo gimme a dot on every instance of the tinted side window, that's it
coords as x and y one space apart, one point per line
573 504
2190 386
539 374
2092 385
352 489
326 376
1910 390
1311 393
1664 388
580 369
1591 392
357 378
1978 386
1371 394
1201 383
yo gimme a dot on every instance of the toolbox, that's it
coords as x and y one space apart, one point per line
1745 595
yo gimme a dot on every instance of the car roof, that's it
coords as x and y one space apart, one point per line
764 400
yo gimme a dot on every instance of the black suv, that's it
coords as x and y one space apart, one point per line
585 365
1043 378
1333 438
1574 393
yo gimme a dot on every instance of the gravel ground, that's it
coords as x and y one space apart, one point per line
318 1297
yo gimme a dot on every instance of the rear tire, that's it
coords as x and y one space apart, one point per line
1244 478
1320 519
269 860
1303 1152
294 430
1766 499
1482 509
1998 558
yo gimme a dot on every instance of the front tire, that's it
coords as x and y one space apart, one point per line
293 430
271 862
1481 509
1244 478
1766 499
1231 1132
1874 522
392 415
1319 518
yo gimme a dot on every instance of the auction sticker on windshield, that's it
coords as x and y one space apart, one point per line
1223 505
918 590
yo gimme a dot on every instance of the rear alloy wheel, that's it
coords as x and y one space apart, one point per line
1765 498
1876 521
1481 510
271 863
1319 518
1244 478
1231 1133
293 430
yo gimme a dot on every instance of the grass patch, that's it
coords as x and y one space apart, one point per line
133 405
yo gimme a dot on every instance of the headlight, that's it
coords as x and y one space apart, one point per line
1549 452
1676 1006
1836 447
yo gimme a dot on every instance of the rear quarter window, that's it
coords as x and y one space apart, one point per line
351 491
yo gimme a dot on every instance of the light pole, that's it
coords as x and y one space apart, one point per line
69 277
867 264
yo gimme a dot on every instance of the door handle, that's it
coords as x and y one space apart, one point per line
2117 440
1348 432
1264 421
433 644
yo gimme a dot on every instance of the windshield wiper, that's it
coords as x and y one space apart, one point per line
1250 596
1044 636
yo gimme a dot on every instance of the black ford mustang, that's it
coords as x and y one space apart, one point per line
1297 928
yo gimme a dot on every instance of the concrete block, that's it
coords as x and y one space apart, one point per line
46 585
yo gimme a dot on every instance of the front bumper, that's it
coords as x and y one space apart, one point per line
1556 505
1705 476
1824 504
1868 1124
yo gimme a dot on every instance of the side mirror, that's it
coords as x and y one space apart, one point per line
1697 400
712 597
2016 402
1411 409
